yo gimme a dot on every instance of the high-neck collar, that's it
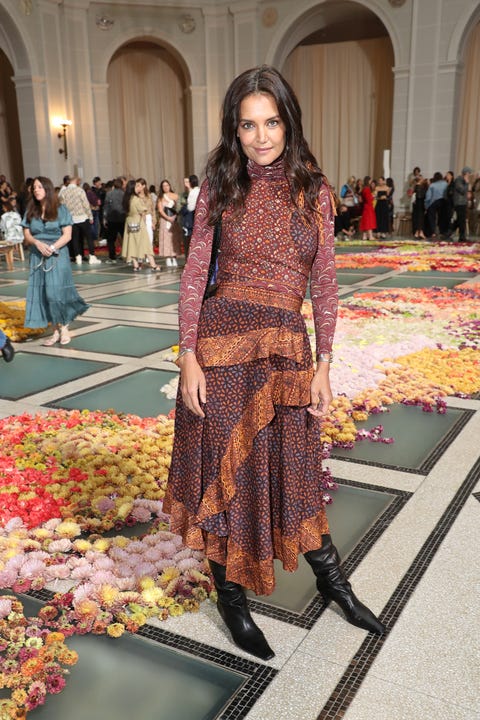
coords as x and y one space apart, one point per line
275 171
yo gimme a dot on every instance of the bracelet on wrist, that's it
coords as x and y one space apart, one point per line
326 357
182 353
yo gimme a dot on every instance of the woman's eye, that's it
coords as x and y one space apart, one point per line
273 123
246 125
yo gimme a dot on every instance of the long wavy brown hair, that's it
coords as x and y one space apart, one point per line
49 208
226 170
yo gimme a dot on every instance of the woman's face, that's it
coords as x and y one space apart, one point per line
260 130
38 191
139 188
165 187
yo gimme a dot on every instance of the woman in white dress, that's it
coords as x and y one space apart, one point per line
170 233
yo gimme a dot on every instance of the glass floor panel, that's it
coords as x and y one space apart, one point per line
138 394
32 373
15 275
352 514
126 340
415 433
133 677
377 270
140 299
351 279
440 274
413 281
354 249
95 278
19 290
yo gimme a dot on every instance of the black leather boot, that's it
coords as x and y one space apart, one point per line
8 351
333 585
232 606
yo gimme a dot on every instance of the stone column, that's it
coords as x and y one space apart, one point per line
245 31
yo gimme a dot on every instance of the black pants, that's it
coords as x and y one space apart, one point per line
81 233
112 229
433 216
461 221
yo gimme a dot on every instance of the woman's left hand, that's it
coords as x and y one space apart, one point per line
320 392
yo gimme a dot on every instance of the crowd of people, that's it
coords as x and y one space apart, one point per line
57 224
443 204
113 214
438 206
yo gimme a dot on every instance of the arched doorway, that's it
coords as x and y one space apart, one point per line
342 74
10 143
148 99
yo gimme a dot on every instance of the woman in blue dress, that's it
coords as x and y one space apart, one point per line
51 294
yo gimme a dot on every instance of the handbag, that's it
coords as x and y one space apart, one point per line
169 211
133 227
211 286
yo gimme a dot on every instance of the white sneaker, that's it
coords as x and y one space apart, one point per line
78 259
174 262
92 260
169 262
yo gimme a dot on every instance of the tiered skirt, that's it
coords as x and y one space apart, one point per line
245 483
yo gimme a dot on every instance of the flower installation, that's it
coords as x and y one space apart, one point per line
414 257
12 317
34 660
413 346
70 482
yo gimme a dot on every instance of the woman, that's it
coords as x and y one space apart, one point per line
382 193
150 220
368 221
418 207
245 479
169 233
51 294
136 242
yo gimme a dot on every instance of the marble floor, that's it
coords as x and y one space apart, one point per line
406 521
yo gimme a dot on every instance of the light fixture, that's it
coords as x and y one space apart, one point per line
64 124
104 22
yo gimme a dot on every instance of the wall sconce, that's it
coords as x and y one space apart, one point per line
64 124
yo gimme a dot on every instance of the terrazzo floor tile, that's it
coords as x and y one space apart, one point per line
380 700
299 691
434 647
206 626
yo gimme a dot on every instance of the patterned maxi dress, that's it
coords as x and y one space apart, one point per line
245 481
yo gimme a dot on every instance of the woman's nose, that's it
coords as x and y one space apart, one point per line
262 135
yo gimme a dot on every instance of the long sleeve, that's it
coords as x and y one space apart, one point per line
323 281
194 277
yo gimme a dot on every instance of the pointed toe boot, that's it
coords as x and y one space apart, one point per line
333 585
233 608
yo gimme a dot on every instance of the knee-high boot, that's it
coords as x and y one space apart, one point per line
333 585
232 606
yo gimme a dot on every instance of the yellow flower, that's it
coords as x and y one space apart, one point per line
152 594
115 630
124 509
81 546
108 595
102 544
175 610
146 582
68 529
168 575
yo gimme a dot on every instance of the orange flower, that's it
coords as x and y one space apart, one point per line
32 666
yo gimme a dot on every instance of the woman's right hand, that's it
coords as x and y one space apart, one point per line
192 383
44 248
